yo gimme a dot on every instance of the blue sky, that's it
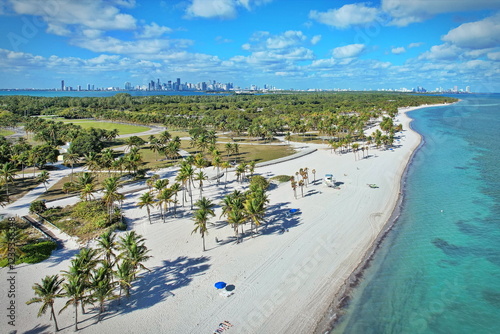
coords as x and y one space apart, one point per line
298 44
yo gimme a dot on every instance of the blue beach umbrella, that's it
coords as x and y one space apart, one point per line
220 285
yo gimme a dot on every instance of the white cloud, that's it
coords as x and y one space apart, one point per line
315 40
405 12
415 45
398 50
222 9
442 52
494 56
140 47
348 51
476 35
287 39
60 15
346 16
153 30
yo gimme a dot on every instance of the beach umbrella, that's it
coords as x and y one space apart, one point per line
293 210
220 285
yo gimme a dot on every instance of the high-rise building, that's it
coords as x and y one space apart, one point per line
467 89
88 86
62 84
128 86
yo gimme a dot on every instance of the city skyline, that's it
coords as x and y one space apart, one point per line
388 44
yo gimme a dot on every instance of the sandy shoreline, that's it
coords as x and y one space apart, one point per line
284 282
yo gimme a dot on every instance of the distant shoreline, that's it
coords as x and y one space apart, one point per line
332 316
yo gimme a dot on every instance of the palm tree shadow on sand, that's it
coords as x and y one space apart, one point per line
158 284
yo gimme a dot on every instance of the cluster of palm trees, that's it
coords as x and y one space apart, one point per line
94 276
240 208
301 179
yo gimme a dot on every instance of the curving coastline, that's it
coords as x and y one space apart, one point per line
334 312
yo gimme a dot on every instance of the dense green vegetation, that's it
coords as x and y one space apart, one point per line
24 242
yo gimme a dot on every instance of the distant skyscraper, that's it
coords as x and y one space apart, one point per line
88 86
128 85
467 89
62 84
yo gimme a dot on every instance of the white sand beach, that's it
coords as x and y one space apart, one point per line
283 282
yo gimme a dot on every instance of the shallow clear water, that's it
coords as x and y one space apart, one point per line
438 271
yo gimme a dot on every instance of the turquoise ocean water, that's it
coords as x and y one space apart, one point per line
438 270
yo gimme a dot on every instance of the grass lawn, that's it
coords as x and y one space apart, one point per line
123 129
4 132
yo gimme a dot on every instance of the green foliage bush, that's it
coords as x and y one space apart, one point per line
259 181
37 252
38 207
282 178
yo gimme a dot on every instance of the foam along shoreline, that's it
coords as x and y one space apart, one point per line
283 282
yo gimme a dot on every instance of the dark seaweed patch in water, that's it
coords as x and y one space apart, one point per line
492 297
447 263
449 249
470 229
459 167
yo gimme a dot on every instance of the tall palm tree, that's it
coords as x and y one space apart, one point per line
87 192
47 292
164 197
124 275
175 188
92 161
44 178
200 177
201 216
111 194
102 288
147 200
71 158
217 162
134 250
74 290
107 159
255 210
7 173
226 165
235 218
106 245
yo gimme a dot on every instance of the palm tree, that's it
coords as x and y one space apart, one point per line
255 210
106 245
44 178
147 200
92 161
47 292
235 218
164 198
201 216
217 163
107 159
87 192
102 288
124 275
111 194
226 165
7 173
74 291
11 241
134 250
200 176
71 158
175 188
